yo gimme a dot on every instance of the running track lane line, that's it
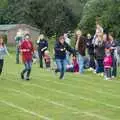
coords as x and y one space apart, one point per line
24 110
97 91
59 104
86 82
68 94
73 86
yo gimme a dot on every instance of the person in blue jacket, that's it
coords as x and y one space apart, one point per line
42 47
60 55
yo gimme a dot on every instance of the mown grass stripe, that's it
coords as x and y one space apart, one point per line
59 104
24 110
86 81
77 87
69 94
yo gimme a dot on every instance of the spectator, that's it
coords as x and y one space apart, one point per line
99 54
18 39
68 41
80 47
90 50
111 44
75 64
107 64
42 47
47 59
3 52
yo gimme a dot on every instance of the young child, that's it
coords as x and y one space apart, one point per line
3 52
107 64
47 59
75 64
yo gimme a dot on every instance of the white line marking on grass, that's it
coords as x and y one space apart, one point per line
69 94
88 78
58 104
97 91
24 110
93 84
85 76
73 86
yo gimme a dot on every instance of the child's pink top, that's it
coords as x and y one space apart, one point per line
107 62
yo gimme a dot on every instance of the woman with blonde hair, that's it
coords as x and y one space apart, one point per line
42 47
99 53
80 47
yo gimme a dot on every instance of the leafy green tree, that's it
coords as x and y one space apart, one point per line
52 16
108 13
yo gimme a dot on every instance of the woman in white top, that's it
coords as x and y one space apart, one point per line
3 52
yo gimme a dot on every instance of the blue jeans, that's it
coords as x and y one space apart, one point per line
68 58
81 63
61 66
99 66
27 69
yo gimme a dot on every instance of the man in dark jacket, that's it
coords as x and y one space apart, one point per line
42 47
60 55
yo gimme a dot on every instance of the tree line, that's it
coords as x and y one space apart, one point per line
58 16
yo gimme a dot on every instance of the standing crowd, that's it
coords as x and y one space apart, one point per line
98 53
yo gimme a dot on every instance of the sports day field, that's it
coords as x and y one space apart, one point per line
45 97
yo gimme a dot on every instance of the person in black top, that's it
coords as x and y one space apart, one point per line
42 47
90 50
60 55
99 49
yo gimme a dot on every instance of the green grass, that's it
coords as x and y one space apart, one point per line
45 97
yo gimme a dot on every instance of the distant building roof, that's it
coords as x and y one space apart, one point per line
7 27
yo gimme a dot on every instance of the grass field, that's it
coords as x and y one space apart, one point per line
45 97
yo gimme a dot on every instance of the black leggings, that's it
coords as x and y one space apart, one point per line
1 65
41 59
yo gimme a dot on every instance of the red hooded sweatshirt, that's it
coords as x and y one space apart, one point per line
27 50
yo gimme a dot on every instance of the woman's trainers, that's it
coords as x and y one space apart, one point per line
27 79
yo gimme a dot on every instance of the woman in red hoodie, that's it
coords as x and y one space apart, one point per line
27 51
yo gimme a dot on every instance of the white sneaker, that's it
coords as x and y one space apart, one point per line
113 77
102 74
107 78
94 72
